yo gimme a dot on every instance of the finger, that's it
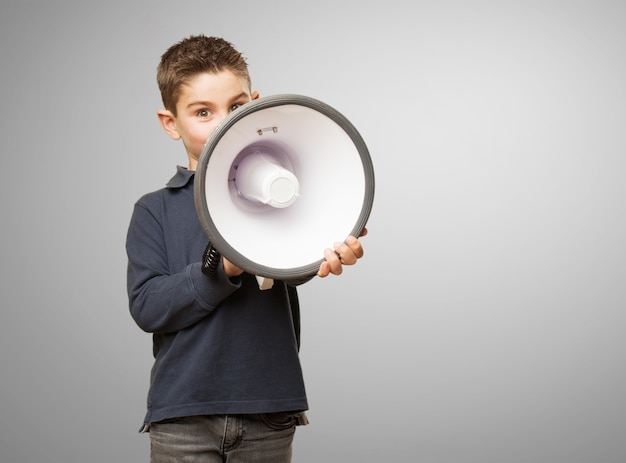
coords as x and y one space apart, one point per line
355 246
345 254
333 261
324 270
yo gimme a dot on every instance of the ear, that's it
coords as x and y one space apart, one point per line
168 122
255 95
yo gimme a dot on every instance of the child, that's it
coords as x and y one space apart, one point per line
226 384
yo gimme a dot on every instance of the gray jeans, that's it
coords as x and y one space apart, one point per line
265 438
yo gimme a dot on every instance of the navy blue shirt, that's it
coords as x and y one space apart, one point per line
221 346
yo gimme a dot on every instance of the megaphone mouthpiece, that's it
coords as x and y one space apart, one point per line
259 177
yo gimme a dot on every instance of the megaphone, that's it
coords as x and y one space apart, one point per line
278 181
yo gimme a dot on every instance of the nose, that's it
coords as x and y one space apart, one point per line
220 116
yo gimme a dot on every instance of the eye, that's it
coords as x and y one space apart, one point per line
236 106
203 113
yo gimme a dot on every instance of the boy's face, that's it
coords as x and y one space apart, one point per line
203 103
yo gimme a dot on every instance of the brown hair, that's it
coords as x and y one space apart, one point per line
192 56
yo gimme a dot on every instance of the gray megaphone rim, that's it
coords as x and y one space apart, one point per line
202 209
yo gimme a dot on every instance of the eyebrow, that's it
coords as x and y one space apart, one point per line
208 103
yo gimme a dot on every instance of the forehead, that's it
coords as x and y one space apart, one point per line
213 87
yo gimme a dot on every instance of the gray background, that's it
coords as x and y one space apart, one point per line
486 322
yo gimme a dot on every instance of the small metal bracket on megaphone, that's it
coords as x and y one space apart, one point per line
267 129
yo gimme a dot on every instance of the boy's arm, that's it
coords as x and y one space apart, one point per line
161 301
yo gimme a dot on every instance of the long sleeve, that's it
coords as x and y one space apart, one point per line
166 293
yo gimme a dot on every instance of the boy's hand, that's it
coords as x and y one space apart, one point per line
343 254
230 269
210 261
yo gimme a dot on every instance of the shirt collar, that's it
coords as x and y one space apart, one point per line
181 178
